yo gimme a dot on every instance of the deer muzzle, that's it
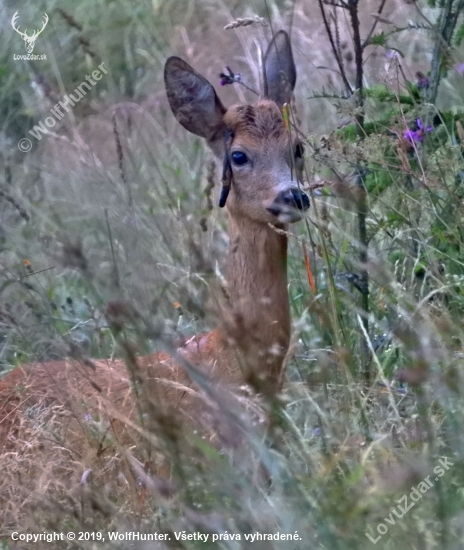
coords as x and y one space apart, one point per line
289 205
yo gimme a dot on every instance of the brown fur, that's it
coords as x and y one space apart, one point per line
257 122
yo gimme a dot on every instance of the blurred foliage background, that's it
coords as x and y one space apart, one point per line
116 202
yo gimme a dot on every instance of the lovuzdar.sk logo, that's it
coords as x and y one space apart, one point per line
29 41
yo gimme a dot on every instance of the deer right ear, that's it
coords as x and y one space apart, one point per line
194 102
279 69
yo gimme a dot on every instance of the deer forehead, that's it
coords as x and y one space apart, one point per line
257 125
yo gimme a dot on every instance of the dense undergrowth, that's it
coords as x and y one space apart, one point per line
116 204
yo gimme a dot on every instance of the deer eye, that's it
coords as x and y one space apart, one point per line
239 158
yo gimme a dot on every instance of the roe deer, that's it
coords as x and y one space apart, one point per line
262 167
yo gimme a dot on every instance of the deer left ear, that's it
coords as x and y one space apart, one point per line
279 69
194 102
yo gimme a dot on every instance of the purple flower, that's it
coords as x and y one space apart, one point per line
459 69
423 81
417 136
229 77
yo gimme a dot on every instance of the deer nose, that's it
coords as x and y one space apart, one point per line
295 198
290 199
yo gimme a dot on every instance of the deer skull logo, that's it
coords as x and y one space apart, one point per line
29 40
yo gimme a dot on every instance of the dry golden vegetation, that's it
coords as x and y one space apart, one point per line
112 247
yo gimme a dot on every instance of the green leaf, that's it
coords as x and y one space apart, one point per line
459 36
378 39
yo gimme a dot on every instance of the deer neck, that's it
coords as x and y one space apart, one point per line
258 313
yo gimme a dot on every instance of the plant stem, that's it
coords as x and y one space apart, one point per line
362 206
338 59
445 29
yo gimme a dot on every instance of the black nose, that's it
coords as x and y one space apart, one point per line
295 198
288 202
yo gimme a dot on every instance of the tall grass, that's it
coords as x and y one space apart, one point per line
115 205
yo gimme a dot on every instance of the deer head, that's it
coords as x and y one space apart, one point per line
29 40
262 163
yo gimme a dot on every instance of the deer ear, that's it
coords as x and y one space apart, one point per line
193 101
279 69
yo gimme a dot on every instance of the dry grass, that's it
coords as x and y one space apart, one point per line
98 225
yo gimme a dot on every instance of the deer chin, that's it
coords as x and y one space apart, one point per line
292 216
285 215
